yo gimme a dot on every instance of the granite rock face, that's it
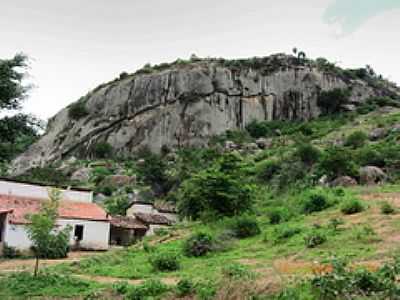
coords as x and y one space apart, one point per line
185 105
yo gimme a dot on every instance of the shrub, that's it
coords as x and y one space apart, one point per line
220 190
148 289
285 232
332 101
335 223
10 252
244 226
164 261
185 287
199 244
102 150
267 169
387 208
78 110
236 271
337 161
307 153
351 206
46 175
315 201
278 215
314 239
121 287
356 140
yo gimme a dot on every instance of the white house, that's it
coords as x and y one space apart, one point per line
90 223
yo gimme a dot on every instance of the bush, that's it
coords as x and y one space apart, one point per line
121 287
10 252
267 169
220 190
285 232
337 161
78 110
278 215
236 271
351 206
315 201
164 261
244 226
102 150
332 101
148 289
314 239
199 244
356 140
387 208
307 153
185 287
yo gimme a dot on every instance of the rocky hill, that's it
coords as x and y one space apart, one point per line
187 102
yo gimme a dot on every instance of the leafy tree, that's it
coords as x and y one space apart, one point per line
19 131
47 241
332 101
337 161
117 205
12 92
220 190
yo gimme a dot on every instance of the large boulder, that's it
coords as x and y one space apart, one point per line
344 181
377 134
82 175
371 175
186 105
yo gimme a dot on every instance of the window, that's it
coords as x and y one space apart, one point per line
78 234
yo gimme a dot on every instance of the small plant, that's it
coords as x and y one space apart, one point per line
78 110
147 290
121 287
185 287
351 206
10 252
199 244
164 261
278 215
236 271
356 140
147 247
335 223
102 150
315 201
244 226
284 233
314 239
387 208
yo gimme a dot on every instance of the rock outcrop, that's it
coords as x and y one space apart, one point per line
186 104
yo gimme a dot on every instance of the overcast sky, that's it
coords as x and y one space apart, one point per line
75 45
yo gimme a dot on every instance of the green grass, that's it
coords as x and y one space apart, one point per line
25 286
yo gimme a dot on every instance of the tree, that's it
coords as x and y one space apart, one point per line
47 241
117 205
19 131
12 92
220 190
332 101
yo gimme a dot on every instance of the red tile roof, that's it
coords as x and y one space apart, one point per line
21 206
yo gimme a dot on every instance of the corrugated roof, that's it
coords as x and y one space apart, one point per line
127 222
153 219
22 206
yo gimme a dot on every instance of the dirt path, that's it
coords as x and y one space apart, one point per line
14 265
105 279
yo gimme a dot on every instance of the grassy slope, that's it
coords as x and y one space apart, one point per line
369 237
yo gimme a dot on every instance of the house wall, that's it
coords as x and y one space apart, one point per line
95 235
36 191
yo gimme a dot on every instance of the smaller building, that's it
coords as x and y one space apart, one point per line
126 230
153 222
90 223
